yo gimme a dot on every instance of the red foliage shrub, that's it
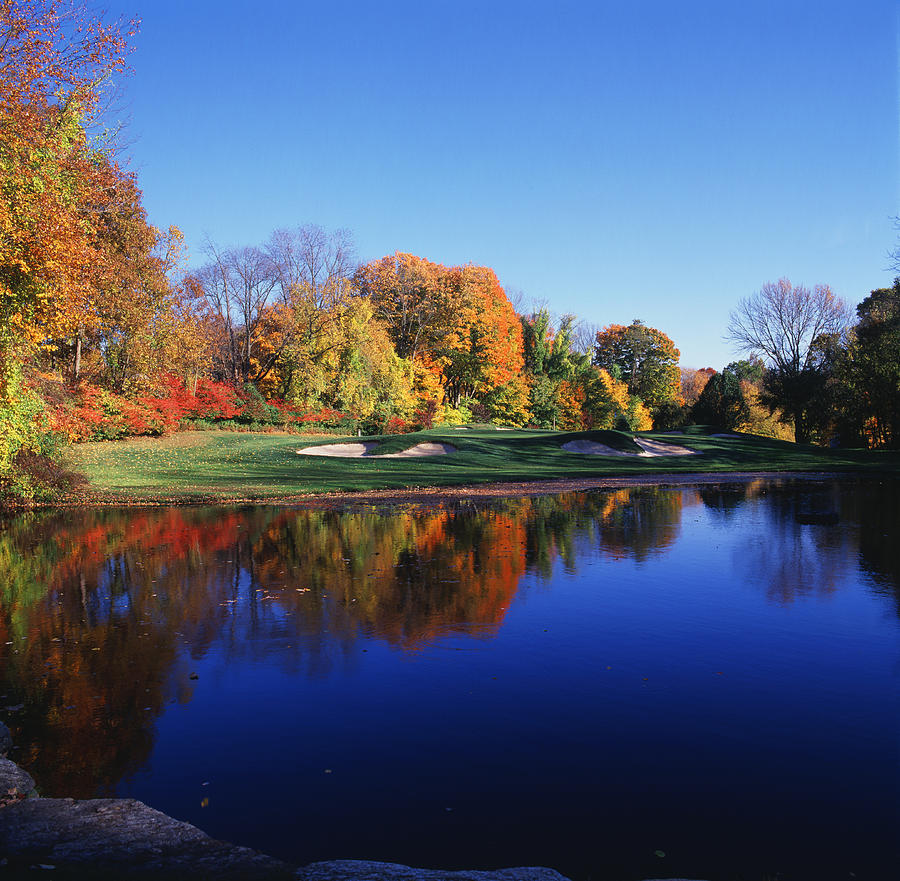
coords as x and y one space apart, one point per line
91 413
216 400
396 425
424 416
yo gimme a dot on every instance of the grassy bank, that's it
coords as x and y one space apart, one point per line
221 466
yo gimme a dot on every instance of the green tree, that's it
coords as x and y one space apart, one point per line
553 366
646 358
722 402
870 369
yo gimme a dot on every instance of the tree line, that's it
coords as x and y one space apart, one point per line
104 330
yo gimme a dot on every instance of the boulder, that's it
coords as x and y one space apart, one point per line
14 782
122 837
362 870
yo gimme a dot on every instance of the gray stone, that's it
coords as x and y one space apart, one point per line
361 870
13 780
5 740
113 837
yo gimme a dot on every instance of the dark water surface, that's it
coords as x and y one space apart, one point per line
582 681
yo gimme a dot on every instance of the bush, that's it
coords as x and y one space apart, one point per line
27 440
668 416
426 414
396 425
255 409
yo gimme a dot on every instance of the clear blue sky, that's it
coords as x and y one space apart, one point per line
642 159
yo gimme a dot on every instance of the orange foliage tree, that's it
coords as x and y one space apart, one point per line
456 323
52 189
483 349
53 61
693 382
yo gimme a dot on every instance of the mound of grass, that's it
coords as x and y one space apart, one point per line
223 465
616 440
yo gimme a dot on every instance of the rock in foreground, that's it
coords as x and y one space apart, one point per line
122 837
5 740
362 870
14 782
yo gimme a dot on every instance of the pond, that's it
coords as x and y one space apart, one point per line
699 681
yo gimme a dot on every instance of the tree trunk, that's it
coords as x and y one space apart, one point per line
76 367
801 434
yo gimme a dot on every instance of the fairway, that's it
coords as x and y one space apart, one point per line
232 466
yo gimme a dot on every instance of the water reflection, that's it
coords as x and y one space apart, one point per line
104 612
814 532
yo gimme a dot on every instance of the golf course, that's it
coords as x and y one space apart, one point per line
223 467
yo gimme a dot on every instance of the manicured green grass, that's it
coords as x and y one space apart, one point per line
226 465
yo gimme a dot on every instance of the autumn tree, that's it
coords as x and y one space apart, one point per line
371 380
789 327
53 61
236 288
455 323
410 295
609 404
133 326
483 349
644 358
693 382
313 270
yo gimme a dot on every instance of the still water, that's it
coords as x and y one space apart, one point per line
699 681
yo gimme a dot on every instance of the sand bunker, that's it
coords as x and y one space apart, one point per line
430 449
658 448
648 447
592 448
357 451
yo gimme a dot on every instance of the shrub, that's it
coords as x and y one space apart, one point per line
255 409
396 425
426 414
216 400
25 437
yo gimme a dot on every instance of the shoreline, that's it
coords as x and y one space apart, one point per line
442 494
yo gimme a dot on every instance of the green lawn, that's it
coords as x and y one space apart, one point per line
218 466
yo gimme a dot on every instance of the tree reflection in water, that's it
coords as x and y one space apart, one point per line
104 612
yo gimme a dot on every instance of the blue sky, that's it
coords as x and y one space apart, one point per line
616 160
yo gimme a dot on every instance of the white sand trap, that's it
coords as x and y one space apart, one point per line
649 448
593 448
344 451
658 448
430 449
357 451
